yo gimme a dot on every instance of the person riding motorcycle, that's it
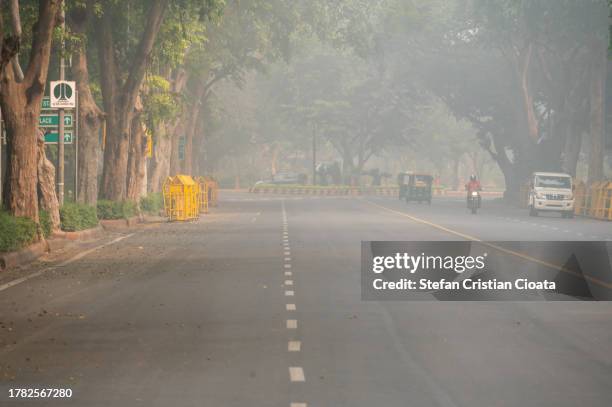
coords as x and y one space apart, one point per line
471 186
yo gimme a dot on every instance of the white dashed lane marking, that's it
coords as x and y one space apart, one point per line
290 307
288 282
296 374
294 346
298 405
289 293
292 324
288 273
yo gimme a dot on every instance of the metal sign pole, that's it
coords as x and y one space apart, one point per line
60 135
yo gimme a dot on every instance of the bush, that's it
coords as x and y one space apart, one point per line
116 210
152 203
16 232
75 216
45 223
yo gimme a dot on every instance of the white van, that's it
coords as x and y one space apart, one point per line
551 191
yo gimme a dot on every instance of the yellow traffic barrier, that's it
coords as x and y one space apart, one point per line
213 190
597 199
601 201
181 198
581 203
204 188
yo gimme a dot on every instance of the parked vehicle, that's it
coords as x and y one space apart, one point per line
402 182
551 192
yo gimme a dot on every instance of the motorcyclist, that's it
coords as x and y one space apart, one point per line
471 186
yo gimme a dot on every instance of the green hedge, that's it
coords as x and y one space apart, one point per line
116 210
152 203
16 232
75 216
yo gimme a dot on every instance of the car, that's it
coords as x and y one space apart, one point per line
551 192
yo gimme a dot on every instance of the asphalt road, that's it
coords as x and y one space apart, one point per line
233 311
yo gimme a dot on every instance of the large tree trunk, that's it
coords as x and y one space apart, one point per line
21 123
46 184
20 103
159 168
119 102
137 161
90 115
597 108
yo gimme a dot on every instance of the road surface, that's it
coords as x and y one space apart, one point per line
258 304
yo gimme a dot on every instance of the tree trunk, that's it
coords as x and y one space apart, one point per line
137 160
21 123
46 184
597 109
119 103
175 162
90 115
160 162
20 103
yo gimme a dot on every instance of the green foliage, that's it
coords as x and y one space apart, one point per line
15 232
116 209
45 223
152 203
75 216
160 104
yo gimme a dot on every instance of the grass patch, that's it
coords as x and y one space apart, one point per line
75 216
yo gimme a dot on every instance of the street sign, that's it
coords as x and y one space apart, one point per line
52 120
46 103
52 137
63 94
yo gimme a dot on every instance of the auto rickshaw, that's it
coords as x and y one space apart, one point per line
402 182
419 188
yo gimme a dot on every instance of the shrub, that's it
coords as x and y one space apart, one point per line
152 203
16 232
75 216
116 210
45 223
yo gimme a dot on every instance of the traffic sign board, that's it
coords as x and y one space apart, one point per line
52 137
52 120
46 103
62 94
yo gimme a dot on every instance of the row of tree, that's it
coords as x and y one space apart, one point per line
529 78
142 67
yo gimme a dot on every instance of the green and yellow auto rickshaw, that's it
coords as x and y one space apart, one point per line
418 188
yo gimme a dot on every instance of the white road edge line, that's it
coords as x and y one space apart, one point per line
62 264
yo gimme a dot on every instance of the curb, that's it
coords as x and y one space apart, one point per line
24 256
119 224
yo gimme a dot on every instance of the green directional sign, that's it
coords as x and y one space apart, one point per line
52 120
52 137
46 103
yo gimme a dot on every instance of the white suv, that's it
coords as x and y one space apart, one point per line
551 191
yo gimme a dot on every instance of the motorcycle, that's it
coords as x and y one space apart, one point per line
474 201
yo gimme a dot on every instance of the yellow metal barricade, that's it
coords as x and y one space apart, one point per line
580 198
204 191
213 191
602 200
181 198
597 199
